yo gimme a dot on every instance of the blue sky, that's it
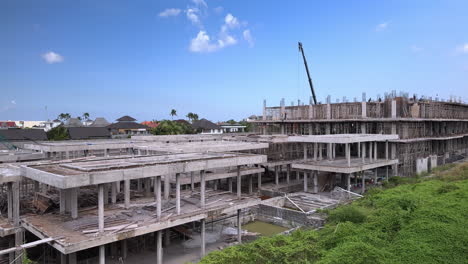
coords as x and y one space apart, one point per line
220 59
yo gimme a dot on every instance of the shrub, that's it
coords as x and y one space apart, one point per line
446 188
348 214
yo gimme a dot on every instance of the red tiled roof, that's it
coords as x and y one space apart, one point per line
7 124
150 124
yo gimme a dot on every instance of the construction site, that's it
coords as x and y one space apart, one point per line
174 198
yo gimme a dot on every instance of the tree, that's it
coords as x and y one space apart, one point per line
168 127
195 117
173 113
63 117
58 133
86 116
190 116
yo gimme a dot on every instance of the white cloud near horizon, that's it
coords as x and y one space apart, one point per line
202 43
231 21
200 3
382 26
170 12
52 57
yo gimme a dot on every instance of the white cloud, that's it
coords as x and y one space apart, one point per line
382 26
231 21
463 48
13 102
200 3
52 57
192 15
202 43
226 40
248 37
170 12
218 10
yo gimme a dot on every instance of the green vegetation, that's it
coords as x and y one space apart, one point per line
58 133
168 127
419 220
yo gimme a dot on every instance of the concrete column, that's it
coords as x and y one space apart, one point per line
114 192
239 183
305 182
363 182
229 184
329 151
192 181
320 151
386 150
370 151
363 152
72 258
74 202
62 200
63 258
67 154
167 186
178 193
202 189
315 151
250 184
239 226
127 193
386 173
118 186
359 149
315 181
276 176
102 254
124 249
348 154
202 235
259 176
101 208
159 251
157 193
375 151
288 173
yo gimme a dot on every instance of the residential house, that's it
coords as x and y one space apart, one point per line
232 128
100 122
126 125
204 126
88 133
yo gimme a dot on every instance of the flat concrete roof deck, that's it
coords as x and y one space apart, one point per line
91 172
80 145
212 146
21 155
341 165
342 138
141 218
9 173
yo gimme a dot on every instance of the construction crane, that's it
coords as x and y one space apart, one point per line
308 74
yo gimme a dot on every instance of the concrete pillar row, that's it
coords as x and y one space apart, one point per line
202 189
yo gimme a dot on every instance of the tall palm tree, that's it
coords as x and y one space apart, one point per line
195 117
190 116
173 113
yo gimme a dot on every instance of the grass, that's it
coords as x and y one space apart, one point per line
418 220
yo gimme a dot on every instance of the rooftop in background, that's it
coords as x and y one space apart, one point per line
88 132
204 124
23 134
150 124
100 122
126 119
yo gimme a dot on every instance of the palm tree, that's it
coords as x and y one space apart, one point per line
190 116
195 117
173 113
64 117
86 116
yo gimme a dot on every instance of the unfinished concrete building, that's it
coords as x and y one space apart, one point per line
431 132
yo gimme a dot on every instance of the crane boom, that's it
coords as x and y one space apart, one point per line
308 74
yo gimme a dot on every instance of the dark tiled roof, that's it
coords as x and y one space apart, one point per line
126 125
126 119
88 132
73 122
23 134
182 121
100 122
204 124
